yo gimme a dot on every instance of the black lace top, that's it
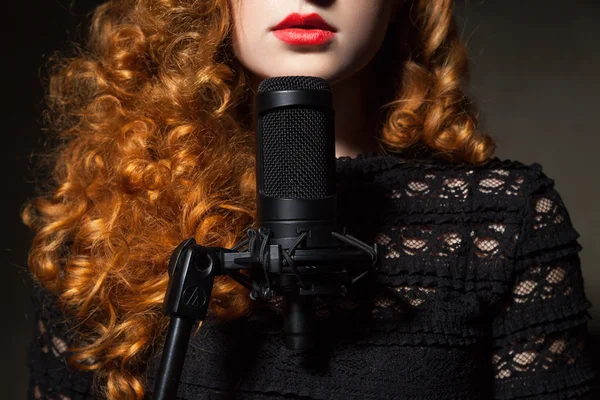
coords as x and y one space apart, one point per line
479 296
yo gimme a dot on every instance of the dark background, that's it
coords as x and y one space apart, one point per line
534 76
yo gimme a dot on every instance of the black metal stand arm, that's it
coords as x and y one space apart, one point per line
298 273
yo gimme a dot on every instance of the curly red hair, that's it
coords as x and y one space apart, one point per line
156 147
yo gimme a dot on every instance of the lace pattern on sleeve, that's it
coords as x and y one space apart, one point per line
540 334
50 376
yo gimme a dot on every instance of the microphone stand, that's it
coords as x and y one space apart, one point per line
299 274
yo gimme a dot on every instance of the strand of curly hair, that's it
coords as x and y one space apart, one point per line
155 146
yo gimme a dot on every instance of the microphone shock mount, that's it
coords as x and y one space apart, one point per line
298 274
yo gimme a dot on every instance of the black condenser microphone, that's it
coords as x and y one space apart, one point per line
295 161
297 251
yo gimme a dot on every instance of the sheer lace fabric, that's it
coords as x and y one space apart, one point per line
50 376
479 295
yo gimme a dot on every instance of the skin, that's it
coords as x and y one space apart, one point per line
361 26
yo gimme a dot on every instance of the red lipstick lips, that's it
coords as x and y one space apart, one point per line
304 30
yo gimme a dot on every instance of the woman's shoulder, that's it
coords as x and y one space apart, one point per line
374 161
500 177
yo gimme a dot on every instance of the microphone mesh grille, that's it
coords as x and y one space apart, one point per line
298 144
296 157
293 83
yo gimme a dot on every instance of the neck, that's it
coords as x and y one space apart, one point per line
354 133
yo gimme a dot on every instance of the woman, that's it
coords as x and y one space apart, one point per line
479 294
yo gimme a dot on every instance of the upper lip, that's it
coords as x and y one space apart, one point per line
296 20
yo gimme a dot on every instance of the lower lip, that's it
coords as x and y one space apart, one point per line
304 37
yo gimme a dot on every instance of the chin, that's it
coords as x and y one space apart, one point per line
301 71
303 66
306 72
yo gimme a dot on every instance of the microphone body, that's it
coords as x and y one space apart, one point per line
295 164
296 250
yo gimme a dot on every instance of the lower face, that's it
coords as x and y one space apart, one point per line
266 47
